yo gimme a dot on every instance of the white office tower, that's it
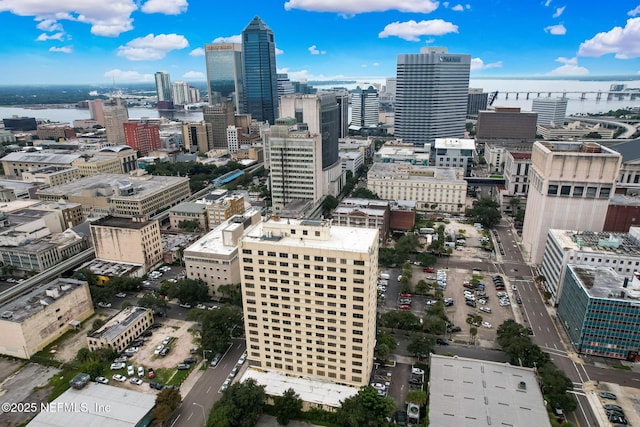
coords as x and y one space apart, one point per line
181 95
551 111
163 86
431 95
232 139
570 187
365 105
309 298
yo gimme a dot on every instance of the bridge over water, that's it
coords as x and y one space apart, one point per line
609 95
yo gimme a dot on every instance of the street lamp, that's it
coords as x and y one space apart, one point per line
204 358
204 417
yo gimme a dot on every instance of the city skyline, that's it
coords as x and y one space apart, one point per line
127 42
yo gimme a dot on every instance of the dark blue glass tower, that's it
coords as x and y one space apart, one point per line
259 76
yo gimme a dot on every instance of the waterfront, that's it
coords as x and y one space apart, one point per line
575 106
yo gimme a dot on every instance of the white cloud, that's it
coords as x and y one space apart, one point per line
152 47
570 67
547 3
49 25
556 30
624 42
412 30
467 6
44 37
634 12
193 75
478 64
199 51
458 8
353 7
107 18
376 64
167 7
231 39
121 76
63 49
445 3
559 11
313 50
279 51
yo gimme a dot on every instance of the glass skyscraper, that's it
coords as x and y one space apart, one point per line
163 86
224 74
431 95
259 71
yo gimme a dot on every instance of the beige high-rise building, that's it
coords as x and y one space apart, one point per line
115 116
224 208
127 240
197 137
309 297
570 185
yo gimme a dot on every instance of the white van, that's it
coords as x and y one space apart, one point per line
384 276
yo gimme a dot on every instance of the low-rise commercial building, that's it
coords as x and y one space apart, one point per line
367 213
214 258
129 240
16 163
52 175
122 195
473 393
432 188
455 153
351 161
33 320
598 309
118 332
189 211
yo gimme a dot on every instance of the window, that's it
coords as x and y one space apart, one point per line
553 190
565 190
578 191
591 191
605 192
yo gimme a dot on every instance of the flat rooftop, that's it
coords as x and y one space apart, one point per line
104 267
52 169
312 390
189 207
213 242
40 158
606 283
120 322
455 143
88 407
370 203
144 186
26 305
365 210
120 222
583 148
597 242
468 393
406 171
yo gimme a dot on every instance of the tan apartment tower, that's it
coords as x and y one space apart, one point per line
569 189
309 297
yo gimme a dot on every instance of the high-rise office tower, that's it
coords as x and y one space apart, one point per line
285 87
220 117
319 326
163 86
197 136
96 109
365 105
259 71
477 101
115 116
570 187
342 97
431 95
550 110
224 74
181 95
142 137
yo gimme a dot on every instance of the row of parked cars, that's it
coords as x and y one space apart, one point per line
234 372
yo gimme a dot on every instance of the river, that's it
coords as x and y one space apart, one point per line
576 105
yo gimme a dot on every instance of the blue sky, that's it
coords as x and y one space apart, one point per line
100 41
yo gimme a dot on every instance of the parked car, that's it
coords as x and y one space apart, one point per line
405 307
130 370
242 358
140 371
151 373
429 270
190 360
225 385
136 381
184 367
216 359
487 325
121 294
104 304
155 385
233 373
119 378
442 341
118 365
470 303
167 340
453 329
102 380
607 395
485 309
165 351
158 349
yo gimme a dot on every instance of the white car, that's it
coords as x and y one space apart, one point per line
116 366
102 380
104 304
225 385
130 370
121 294
487 324
140 371
119 378
136 381
158 349
201 306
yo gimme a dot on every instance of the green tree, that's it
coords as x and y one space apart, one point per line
385 338
418 397
101 293
189 225
154 302
486 212
188 291
364 193
216 326
365 409
232 293
97 324
421 344
125 304
240 406
422 287
287 407
400 319
329 203
383 351
167 401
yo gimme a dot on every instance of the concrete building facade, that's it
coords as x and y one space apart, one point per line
367 213
128 240
14 164
118 332
505 123
433 189
365 104
189 211
309 297
115 116
35 319
550 110
142 137
570 188
197 137
455 153
52 175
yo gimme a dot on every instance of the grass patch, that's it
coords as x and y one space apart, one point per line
60 382
179 377
623 367
170 376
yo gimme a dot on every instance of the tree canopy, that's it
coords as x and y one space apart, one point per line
486 212
240 406
216 326
287 407
187 291
367 408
